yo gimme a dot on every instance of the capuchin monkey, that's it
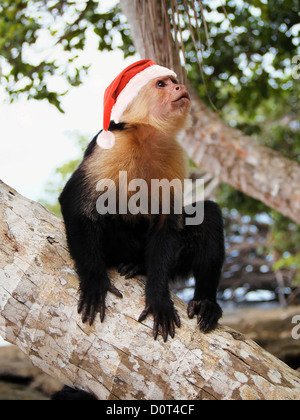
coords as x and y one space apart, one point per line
161 246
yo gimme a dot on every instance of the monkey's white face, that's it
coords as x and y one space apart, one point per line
172 89
172 95
163 104
169 104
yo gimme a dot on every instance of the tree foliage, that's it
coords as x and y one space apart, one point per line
34 33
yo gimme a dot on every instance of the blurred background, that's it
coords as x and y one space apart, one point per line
56 59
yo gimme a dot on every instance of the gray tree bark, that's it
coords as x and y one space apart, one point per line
225 152
118 359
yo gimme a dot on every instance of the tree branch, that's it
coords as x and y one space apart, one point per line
117 359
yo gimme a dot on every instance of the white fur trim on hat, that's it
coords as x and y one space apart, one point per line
133 87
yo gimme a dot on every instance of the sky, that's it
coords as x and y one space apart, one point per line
34 136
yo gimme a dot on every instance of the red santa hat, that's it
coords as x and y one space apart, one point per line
122 91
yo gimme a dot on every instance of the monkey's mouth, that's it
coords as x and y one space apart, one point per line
183 96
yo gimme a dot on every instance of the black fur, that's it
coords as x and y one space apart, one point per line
141 246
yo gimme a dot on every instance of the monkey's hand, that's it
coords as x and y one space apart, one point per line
165 319
130 270
208 312
92 300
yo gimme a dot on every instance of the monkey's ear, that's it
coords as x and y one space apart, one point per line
106 139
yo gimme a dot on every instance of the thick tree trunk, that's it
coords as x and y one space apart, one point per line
227 153
117 359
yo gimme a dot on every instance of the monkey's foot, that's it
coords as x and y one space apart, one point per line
208 312
92 301
164 320
130 270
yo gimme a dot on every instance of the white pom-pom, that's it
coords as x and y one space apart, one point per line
106 139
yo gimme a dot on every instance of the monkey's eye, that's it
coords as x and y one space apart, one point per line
160 84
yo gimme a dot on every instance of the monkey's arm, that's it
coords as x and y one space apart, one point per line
85 240
208 240
87 251
160 254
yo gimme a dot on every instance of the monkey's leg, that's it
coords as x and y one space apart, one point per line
206 258
160 258
86 242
